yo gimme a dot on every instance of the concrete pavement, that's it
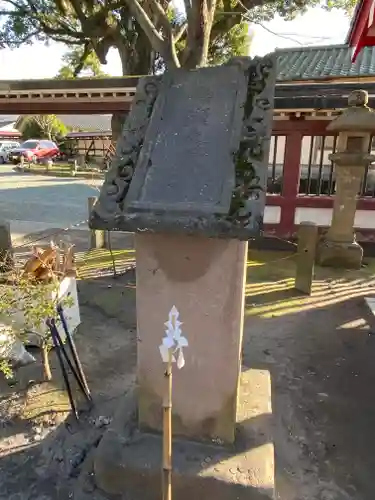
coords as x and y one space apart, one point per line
33 203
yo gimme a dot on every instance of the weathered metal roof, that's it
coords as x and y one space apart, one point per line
88 123
324 62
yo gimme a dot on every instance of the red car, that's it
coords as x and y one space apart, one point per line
34 150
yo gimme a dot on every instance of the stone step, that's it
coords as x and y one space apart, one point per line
370 302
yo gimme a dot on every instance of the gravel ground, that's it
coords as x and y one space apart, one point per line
318 350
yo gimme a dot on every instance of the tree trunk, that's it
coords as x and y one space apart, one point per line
117 123
198 54
137 61
46 364
200 18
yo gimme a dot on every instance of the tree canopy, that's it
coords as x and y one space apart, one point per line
41 127
76 63
143 31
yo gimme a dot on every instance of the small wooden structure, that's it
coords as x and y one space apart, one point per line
9 135
90 148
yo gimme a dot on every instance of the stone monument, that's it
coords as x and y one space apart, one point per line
189 178
354 128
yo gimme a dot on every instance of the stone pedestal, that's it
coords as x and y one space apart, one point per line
204 278
341 255
339 248
127 462
192 186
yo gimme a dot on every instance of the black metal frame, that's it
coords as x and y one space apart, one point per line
74 364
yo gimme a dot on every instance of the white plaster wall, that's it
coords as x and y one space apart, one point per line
305 150
280 151
272 215
364 219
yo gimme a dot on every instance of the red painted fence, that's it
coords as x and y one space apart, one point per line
301 180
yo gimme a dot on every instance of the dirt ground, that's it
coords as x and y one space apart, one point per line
319 351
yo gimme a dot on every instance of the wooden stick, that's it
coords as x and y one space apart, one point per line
57 266
167 431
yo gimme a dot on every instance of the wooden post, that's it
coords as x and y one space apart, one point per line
171 347
74 168
291 181
167 431
6 249
97 238
307 241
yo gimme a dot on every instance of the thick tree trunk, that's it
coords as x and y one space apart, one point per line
117 123
198 53
200 19
46 364
137 61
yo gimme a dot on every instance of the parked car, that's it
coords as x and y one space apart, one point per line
5 148
34 150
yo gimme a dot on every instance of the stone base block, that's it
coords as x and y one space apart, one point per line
340 255
128 462
205 279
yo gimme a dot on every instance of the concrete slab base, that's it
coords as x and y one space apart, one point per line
128 462
340 255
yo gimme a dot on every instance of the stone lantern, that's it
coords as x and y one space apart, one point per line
354 128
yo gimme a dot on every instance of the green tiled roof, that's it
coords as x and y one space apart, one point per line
324 62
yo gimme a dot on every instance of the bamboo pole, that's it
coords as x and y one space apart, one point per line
167 431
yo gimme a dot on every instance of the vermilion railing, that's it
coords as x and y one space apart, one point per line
300 175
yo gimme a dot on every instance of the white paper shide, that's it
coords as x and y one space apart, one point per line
173 342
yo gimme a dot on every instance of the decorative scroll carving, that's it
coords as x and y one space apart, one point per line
117 181
251 160
230 204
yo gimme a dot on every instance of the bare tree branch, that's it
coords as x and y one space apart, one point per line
169 41
180 32
163 45
26 38
101 48
145 22
64 30
187 4
14 4
226 22
199 30
235 15
85 53
77 6
161 15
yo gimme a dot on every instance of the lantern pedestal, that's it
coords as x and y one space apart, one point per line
339 248
340 255
354 128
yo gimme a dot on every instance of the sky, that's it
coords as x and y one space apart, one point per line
316 27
